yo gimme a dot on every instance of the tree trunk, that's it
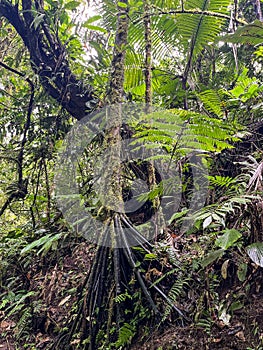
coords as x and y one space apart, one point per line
49 58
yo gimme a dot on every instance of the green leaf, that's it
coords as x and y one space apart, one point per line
255 252
93 19
72 5
96 28
38 20
242 272
228 239
251 34
211 257
137 264
236 305
237 91
35 244
150 256
45 241
178 215
50 243
122 4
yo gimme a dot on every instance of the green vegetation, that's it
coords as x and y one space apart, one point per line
196 68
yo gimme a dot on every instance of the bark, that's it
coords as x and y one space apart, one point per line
116 91
258 10
148 54
49 57
115 97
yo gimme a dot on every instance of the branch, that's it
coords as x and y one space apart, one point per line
258 10
8 201
9 158
23 75
48 59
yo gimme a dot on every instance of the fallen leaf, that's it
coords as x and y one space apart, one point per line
7 325
240 335
63 301
217 340
224 269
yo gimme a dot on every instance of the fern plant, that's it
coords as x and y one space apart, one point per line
186 131
126 334
179 33
174 294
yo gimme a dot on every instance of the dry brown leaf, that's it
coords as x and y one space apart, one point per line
240 335
7 325
63 301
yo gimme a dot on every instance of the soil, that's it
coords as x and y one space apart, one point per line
245 332
58 287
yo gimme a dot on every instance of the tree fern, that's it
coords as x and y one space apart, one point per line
174 33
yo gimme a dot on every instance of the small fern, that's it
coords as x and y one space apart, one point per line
126 333
216 214
175 291
24 322
19 302
122 297
221 181
206 324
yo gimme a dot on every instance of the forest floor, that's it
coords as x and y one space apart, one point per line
56 289
244 333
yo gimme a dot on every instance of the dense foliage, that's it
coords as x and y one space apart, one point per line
199 64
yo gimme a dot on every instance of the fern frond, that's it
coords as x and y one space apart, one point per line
186 131
221 181
173 295
212 102
126 333
198 31
23 322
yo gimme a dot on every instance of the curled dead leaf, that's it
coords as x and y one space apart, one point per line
240 335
